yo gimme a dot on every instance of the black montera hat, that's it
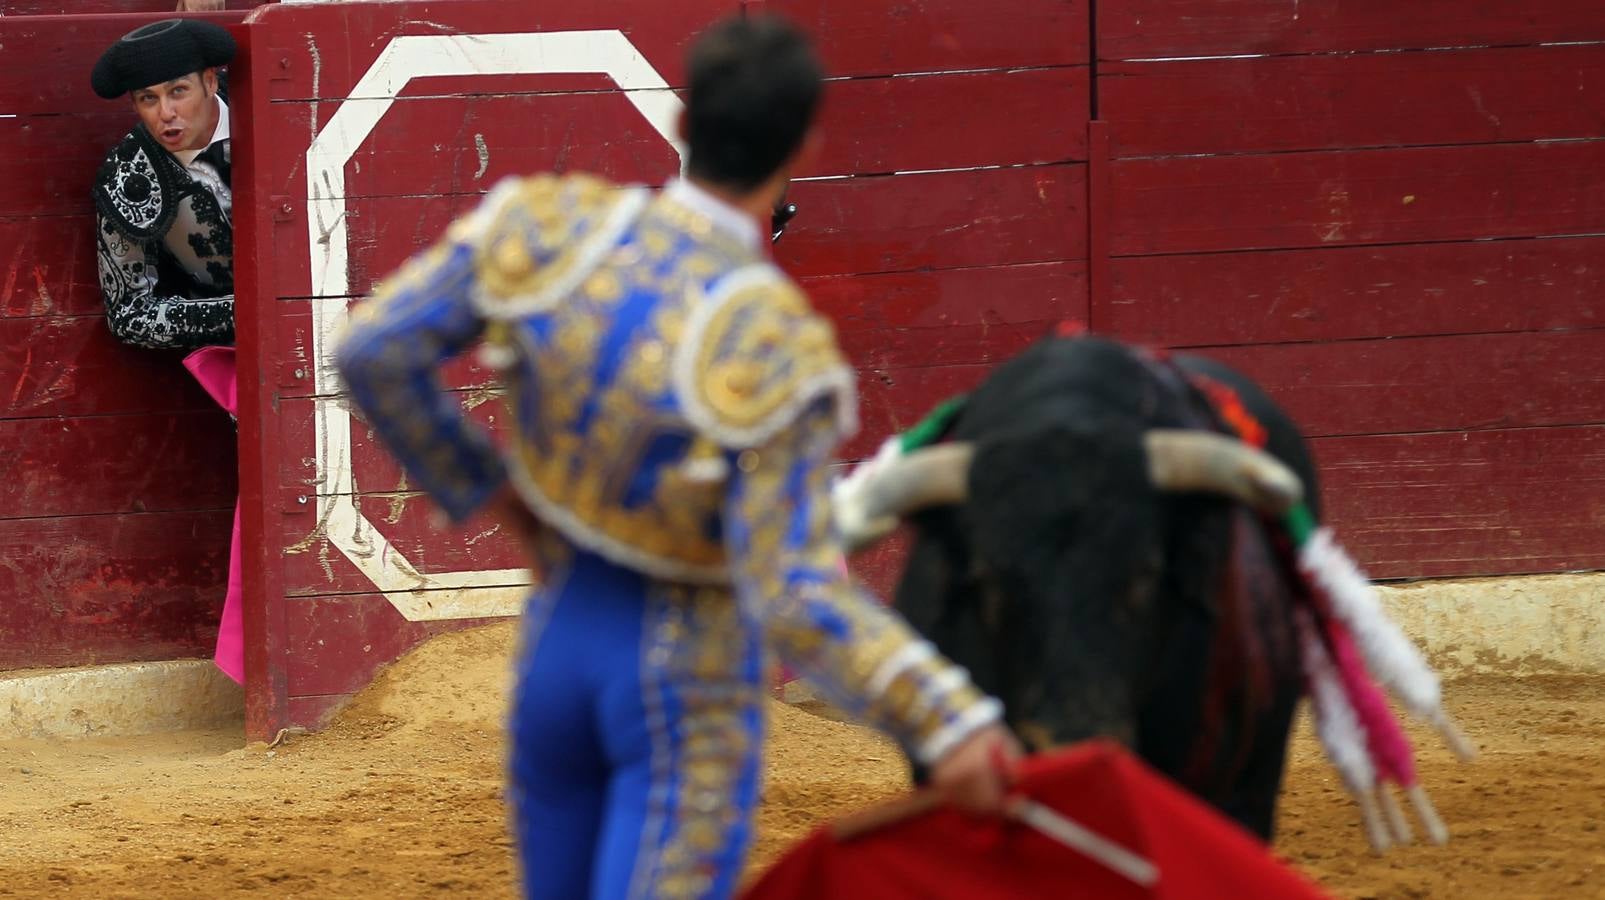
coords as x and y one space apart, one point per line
158 52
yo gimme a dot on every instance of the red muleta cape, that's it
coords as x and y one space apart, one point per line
1165 844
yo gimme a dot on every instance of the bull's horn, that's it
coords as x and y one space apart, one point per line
1183 460
938 475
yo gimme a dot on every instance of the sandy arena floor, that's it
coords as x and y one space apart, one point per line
402 798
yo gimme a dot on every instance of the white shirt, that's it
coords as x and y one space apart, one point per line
203 171
184 224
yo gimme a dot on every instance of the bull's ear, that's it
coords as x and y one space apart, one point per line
1184 460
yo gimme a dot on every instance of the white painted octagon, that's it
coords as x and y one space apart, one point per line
421 596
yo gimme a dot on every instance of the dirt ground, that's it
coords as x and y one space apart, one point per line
402 798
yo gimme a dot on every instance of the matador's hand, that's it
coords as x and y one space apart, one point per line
975 775
200 5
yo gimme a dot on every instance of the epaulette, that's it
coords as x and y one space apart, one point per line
755 355
537 238
138 186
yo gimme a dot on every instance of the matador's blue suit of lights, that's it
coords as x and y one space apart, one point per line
674 408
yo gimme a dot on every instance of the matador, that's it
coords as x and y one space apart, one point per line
675 405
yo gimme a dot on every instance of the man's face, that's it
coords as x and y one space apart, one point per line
181 113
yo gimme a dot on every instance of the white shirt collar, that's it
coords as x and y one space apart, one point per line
726 218
220 133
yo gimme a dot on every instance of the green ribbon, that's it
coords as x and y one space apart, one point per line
932 426
1300 524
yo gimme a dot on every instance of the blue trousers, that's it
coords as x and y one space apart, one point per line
637 731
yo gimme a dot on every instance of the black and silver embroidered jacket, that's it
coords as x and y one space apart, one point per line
165 244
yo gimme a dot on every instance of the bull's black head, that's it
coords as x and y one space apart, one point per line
1077 571
1044 582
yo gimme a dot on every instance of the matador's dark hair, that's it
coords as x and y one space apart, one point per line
755 86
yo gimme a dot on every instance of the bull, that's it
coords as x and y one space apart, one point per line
1094 542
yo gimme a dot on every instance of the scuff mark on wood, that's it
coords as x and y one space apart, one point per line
484 155
317 77
484 534
480 396
318 533
398 503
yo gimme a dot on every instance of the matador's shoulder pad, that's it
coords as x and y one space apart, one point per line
535 238
755 355
137 187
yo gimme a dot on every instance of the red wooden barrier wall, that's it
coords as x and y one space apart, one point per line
114 511
1405 245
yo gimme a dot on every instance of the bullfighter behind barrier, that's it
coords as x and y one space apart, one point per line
164 228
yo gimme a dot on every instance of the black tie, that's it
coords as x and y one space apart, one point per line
218 155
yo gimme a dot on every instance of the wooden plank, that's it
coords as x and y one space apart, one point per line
325 48
117 464
1143 29
455 145
84 7
890 401
1454 383
375 471
1316 199
382 233
1370 100
1438 505
293 367
1481 503
49 57
1341 293
917 338
48 163
956 219
412 531
101 589
312 566
463 144
337 643
48 266
948 316
941 35
57 367
883 125
903 319
989 217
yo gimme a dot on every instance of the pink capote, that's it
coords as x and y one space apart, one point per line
214 368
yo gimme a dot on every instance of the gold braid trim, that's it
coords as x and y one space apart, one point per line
755 356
